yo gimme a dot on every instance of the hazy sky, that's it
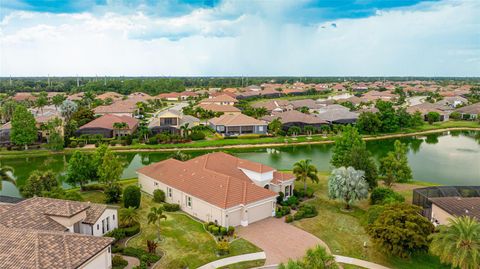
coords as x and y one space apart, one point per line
240 37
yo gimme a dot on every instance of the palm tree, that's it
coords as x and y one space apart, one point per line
6 175
129 216
318 258
347 184
155 217
304 170
458 243
185 129
120 126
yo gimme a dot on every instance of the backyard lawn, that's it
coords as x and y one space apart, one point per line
344 232
183 239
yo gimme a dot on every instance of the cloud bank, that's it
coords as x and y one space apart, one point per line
250 38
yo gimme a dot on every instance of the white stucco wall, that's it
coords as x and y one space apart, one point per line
260 179
102 260
110 213
440 215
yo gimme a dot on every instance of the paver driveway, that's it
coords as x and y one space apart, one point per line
280 241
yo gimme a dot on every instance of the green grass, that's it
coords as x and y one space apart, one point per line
345 234
98 196
244 265
184 238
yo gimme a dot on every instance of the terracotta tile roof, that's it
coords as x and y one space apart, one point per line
220 98
24 96
26 248
236 120
272 104
123 106
34 213
112 95
279 177
107 121
459 206
219 108
76 96
214 178
168 95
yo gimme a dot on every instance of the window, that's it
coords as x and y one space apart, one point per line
260 128
155 183
113 217
103 226
108 223
189 201
98 226
169 192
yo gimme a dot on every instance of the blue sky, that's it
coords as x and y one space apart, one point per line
240 37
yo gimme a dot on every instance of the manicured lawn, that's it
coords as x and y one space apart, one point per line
183 239
345 234
245 265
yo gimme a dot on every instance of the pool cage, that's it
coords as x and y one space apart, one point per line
421 196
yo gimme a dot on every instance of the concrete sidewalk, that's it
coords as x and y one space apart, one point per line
234 259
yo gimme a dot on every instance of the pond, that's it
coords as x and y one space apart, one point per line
451 158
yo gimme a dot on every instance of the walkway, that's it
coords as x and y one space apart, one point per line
234 259
132 262
280 241
358 262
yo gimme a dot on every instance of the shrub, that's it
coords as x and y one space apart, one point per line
113 193
223 247
223 231
81 144
94 187
158 196
456 115
373 212
128 140
113 143
131 231
141 254
119 262
231 230
171 207
280 197
300 193
305 211
288 218
197 136
382 195
117 248
131 197
291 201
215 230
282 211
73 144
117 233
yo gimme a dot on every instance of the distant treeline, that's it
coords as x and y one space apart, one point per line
156 85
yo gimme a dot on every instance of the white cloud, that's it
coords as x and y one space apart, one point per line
438 39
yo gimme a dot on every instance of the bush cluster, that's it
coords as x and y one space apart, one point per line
305 211
382 195
120 233
94 187
131 197
166 138
302 193
119 262
218 230
197 136
292 202
282 211
158 196
142 255
171 207
223 247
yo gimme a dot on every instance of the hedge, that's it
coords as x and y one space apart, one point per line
305 211
171 207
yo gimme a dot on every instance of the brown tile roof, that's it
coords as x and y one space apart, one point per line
459 206
424 108
219 108
26 248
168 95
279 177
272 104
471 109
214 178
124 106
24 96
107 121
220 98
294 116
236 120
112 95
34 213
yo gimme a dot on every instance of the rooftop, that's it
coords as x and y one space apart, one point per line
459 206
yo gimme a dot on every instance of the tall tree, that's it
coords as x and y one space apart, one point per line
111 169
361 159
369 123
6 174
387 116
67 108
7 109
83 116
155 217
343 144
24 131
80 169
304 170
275 126
58 99
458 243
347 184
42 100
394 167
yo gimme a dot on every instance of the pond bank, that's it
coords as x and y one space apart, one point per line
184 147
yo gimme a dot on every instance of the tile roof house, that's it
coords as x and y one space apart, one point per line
445 208
295 118
237 124
377 95
51 233
426 107
171 121
336 114
274 105
40 249
218 187
220 108
119 108
104 125
223 100
110 95
169 96
471 111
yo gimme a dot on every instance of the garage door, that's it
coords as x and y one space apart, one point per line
234 218
259 212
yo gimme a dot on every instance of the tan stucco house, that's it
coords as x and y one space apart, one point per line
218 187
446 208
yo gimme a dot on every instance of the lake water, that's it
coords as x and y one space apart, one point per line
451 158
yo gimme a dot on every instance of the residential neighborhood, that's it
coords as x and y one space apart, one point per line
226 134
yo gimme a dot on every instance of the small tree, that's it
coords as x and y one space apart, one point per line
67 108
39 182
369 123
400 230
158 196
304 170
316 258
24 131
129 217
309 130
178 155
113 193
294 131
155 217
58 99
275 126
110 169
131 197
347 184
80 169
458 243
394 167
433 117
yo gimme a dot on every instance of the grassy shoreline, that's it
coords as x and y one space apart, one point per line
254 142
